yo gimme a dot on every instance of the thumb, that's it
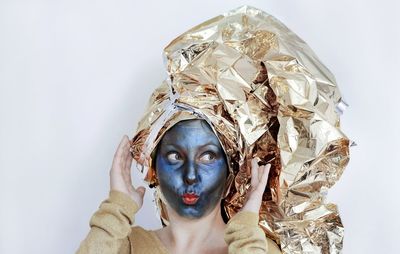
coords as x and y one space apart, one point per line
141 190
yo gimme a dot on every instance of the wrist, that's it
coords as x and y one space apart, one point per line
245 217
252 206
124 200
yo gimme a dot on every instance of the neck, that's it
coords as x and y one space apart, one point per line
188 233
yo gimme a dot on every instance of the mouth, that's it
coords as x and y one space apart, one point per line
190 198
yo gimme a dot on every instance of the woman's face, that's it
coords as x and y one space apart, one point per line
191 168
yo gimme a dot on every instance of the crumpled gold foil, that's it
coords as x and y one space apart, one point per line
266 95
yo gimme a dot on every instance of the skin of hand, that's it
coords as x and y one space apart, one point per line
259 179
120 173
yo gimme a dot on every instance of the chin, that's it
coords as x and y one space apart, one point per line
190 212
196 211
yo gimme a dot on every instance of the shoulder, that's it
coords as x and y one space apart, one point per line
244 224
142 239
139 238
273 247
138 229
137 232
245 218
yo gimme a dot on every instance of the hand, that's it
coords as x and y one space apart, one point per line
259 179
120 173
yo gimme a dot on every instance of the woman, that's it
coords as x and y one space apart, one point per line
266 96
191 168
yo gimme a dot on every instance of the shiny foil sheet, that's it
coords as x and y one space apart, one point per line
266 95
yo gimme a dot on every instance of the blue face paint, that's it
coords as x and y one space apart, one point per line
191 168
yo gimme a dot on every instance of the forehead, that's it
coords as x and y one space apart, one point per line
190 131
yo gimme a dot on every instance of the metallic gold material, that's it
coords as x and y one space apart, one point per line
266 95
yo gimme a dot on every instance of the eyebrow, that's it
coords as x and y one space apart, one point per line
207 144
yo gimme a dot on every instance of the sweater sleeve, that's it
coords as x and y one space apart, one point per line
110 226
243 235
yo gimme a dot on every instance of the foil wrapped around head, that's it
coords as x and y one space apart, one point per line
266 95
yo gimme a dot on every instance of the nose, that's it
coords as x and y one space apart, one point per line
190 176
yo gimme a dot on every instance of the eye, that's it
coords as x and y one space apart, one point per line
207 156
173 156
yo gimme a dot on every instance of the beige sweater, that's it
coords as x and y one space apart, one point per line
112 232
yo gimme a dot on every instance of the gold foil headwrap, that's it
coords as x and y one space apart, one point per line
266 95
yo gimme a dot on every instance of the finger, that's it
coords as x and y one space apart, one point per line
264 179
127 157
125 152
260 172
141 190
129 161
125 148
127 169
254 173
127 164
118 153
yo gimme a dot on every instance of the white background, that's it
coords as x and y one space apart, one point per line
75 76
